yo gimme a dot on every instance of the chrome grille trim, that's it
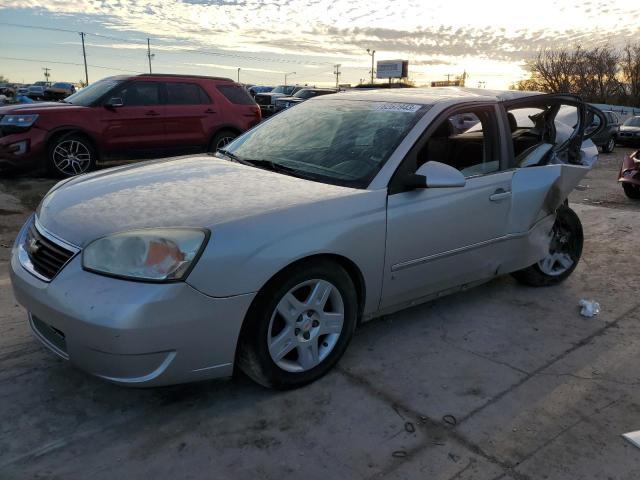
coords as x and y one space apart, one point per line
55 254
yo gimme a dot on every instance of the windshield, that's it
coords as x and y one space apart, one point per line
93 92
632 122
343 142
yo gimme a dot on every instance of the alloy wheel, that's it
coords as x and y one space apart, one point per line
611 144
71 157
223 142
561 251
305 325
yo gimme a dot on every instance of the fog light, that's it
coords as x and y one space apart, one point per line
19 148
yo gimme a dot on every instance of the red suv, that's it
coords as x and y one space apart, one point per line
126 117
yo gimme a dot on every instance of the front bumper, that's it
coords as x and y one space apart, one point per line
132 333
25 149
628 140
630 170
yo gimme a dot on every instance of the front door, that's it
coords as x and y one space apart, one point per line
138 125
439 238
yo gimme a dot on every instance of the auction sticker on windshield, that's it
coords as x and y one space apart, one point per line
397 107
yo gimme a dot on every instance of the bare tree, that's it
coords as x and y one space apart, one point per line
630 66
596 74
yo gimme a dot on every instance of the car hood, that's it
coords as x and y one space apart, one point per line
625 128
202 191
35 107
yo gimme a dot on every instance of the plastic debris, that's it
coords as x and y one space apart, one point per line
633 438
590 308
450 419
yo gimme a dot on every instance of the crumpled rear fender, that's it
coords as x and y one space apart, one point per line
539 191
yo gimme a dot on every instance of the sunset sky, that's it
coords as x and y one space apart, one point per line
491 40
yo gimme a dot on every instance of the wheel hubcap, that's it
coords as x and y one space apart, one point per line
560 258
306 325
223 142
71 157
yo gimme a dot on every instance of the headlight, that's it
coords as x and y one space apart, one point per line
18 121
164 254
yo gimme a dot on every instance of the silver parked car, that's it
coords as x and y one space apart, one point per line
266 255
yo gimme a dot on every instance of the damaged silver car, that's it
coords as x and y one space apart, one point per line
268 254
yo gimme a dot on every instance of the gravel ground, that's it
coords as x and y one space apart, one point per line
499 382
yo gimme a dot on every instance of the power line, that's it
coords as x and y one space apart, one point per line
181 50
68 63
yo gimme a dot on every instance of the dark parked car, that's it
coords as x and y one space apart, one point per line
126 117
35 92
608 136
267 100
300 96
630 132
255 89
59 91
7 89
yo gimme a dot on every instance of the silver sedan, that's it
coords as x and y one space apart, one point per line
266 255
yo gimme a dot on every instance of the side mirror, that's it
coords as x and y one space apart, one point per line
436 175
114 102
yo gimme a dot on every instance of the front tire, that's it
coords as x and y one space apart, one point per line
299 326
565 249
631 190
70 155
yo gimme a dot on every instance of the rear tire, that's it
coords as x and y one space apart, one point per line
565 249
631 190
609 146
70 155
221 139
289 339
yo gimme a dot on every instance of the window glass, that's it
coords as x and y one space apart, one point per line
93 92
463 141
236 94
343 142
139 94
180 93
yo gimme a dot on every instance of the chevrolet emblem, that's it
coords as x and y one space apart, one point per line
32 246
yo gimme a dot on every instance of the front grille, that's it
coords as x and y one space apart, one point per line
263 99
47 257
53 338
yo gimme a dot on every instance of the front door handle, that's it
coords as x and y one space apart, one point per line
152 113
499 194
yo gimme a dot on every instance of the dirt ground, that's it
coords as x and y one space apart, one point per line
500 382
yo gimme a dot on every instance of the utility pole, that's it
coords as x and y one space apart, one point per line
84 55
149 55
286 75
238 74
46 74
336 72
372 53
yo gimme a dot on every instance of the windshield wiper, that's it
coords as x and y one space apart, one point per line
232 156
269 165
279 168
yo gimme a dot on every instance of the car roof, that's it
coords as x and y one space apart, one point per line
430 96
